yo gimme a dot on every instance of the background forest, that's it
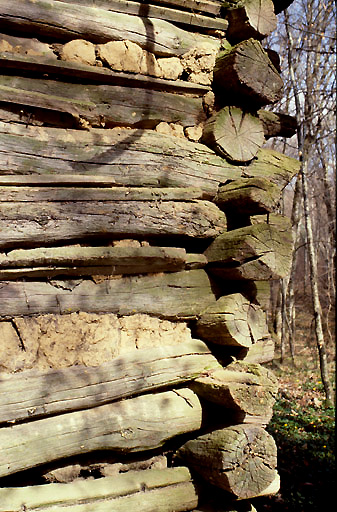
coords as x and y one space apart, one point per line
302 315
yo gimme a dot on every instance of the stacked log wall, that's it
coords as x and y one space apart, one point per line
139 235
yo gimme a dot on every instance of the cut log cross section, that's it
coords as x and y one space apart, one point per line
235 134
252 18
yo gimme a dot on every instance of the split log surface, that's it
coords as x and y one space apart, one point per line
35 394
259 252
102 105
276 124
43 222
235 134
65 21
250 18
32 155
168 13
245 75
239 459
46 64
250 390
233 320
163 490
132 425
176 295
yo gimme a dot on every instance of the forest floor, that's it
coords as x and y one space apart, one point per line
304 431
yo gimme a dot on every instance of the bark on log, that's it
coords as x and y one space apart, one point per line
140 158
35 394
235 134
147 10
232 320
240 459
136 424
163 490
46 222
58 68
102 105
250 18
96 25
249 390
260 252
276 124
177 295
245 75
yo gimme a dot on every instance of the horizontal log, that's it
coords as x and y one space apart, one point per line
102 105
120 260
124 157
249 390
180 17
276 124
45 222
207 6
177 295
163 490
261 352
35 394
101 75
235 134
233 320
136 424
245 75
260 252
250 18
239 459
96 25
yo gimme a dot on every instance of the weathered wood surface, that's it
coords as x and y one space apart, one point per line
58 68
239 459
35 394
120 260
88 261
177 295
250 18
261 352
96 25
33 223
259 252
248 196
235 134
163 490
148 10
276 124
136 424
33 155
102 105
245 75
207 6
233 320
250 390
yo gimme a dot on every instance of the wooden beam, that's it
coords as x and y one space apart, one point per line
177 295
245 76
149 10
35 394
233 320
102 105
258 252
64 21
218 457
141 158
101 75
250 18
133 425
163 490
